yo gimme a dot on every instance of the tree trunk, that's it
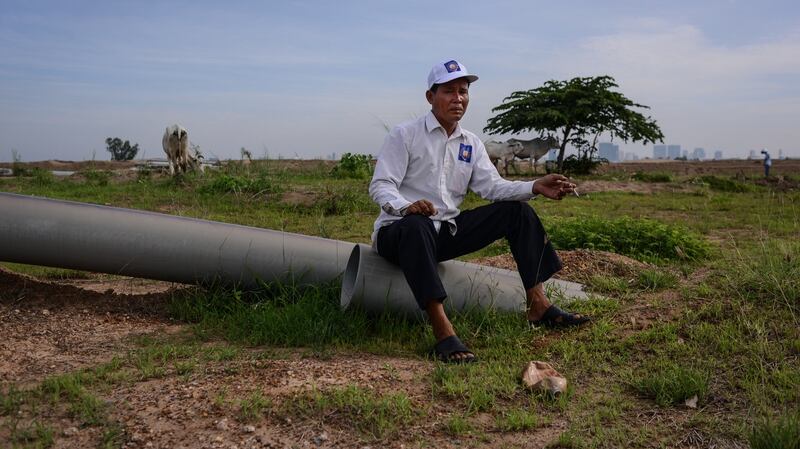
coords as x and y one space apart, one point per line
562 149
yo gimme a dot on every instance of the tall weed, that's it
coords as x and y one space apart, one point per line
769 276
781 433
355 166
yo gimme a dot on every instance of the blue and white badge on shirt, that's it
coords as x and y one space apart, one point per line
465 153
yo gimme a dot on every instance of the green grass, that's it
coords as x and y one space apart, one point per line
724 184
515 420
254 406
716 318
669 383
458 425
36 435
46 272
643 239
656 280
374 415
609 284
780 433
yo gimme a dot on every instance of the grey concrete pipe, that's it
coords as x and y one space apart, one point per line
375 284
103 239
66 234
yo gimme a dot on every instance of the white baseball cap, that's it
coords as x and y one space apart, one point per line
448 71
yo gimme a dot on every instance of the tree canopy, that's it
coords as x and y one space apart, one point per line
121 151
574 110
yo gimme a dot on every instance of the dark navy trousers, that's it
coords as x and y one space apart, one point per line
413 243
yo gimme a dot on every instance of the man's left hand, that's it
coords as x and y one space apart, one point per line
553 186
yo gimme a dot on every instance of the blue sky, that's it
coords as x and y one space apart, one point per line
309 78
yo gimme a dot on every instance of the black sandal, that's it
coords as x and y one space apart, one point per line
446 350
555 317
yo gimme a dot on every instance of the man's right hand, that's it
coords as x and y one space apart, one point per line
421 207
553 186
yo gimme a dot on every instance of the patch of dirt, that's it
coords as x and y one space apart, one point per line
586 187
57 327
55 164
580 264
727 167
51 328
299 198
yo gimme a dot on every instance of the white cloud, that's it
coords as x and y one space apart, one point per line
678 60
701 93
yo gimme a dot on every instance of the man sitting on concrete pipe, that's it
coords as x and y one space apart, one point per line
422 175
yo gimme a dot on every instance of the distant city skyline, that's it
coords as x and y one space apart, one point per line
307 79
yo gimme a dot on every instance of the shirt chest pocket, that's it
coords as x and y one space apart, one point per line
460 171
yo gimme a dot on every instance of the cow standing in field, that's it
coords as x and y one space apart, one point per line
534 149
176 145
502 151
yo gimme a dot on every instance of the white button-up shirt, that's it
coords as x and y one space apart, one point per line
419 161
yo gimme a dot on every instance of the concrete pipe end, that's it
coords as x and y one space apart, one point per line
350 278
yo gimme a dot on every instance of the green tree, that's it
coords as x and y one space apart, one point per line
575 110
121 151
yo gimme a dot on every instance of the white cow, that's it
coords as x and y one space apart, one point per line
534 149
176 145
502 151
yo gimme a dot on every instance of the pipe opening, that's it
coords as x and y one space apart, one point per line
349 278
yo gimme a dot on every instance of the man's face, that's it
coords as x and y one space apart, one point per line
449 102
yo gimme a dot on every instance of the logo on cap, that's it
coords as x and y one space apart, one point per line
465 153
452 66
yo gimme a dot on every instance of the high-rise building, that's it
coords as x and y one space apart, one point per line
609 151
699 154
718 155
673 151
752 155
629 156
659 151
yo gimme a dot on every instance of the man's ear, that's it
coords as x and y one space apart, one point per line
429 96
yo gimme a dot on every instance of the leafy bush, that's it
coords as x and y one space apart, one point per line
642 239
355 166
652 177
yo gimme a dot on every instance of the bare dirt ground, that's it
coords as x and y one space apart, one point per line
57 327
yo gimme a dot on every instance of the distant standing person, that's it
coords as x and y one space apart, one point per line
767 162
424 170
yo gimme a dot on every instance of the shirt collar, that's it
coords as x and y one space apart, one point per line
432 123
